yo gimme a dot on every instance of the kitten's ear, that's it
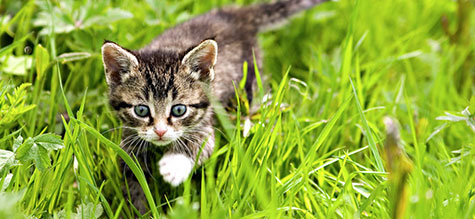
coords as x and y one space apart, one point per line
118 62
201 60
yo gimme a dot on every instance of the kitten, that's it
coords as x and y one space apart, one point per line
161 92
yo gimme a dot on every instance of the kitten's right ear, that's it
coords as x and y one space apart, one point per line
118 63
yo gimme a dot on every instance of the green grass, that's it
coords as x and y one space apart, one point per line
317 148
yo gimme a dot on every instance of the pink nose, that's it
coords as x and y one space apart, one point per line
160 131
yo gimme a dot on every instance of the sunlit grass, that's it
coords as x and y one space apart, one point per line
314 147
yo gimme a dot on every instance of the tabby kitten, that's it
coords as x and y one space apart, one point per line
161 92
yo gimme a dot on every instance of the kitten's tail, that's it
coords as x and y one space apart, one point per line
268 14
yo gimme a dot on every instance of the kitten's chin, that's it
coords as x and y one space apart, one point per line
161 142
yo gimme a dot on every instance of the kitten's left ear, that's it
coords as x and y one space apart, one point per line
119 63
200 60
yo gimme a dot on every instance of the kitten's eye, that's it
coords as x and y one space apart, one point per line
178 110
142 110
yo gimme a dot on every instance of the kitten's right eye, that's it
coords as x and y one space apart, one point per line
178 110
142 110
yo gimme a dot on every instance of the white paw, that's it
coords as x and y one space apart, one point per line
175 168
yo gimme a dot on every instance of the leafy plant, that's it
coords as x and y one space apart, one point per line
86 210
37 149
69 15
13 103
465 115
7 160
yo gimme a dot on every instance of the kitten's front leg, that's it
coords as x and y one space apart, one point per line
176 164
135 190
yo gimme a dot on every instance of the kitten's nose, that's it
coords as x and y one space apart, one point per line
160 131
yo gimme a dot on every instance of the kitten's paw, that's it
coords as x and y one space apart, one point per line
175 168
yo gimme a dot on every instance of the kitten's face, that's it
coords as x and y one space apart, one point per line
162 96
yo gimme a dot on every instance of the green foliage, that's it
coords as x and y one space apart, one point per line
17 65
87 210
8 207
37 149
7 160
70 15
13 103
312 144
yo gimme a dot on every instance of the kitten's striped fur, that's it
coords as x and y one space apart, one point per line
183 64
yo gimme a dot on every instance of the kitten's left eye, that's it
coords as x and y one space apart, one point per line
142 110
178 110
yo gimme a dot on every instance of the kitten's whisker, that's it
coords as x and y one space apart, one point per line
184 147
125 142
139 147
195 137
116 128
138 144
194 141
180 145
146 145
132 142
196 131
